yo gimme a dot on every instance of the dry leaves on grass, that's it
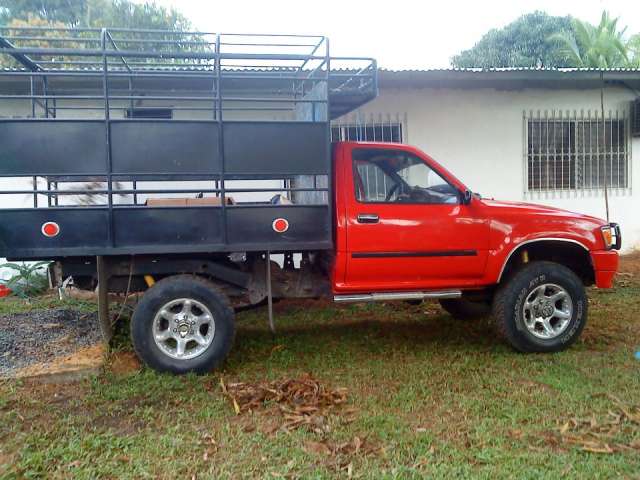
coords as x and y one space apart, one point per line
301 402
624 279
341 455
605 337
602 435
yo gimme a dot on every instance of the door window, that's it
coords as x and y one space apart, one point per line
389 176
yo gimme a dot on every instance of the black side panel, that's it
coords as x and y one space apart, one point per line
20 230
170 227
289 148
83 231
254 225
52 147
165 147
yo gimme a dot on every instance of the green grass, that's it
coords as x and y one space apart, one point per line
436 397
14 304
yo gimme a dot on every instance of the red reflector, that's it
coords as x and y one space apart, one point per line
50 229
280 225
4 291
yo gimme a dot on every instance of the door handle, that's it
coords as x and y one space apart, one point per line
368 218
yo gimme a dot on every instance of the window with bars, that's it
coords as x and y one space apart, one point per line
370 128
576 152
368 132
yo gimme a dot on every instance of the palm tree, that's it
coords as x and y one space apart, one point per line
601 46
634 49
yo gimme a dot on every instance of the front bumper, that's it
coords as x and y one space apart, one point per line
605 266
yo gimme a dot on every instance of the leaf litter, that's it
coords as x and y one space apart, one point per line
302 403
603 434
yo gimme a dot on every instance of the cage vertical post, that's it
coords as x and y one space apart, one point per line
103 300
107 126
272 325
33 100
330 199
223 193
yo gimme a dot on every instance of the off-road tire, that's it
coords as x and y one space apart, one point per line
463 309
176 287
509 301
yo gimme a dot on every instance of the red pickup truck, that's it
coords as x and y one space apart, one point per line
407 229
162 183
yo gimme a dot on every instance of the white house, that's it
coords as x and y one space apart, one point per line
519 134
532 135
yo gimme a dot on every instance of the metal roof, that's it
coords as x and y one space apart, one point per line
464 78
513 69
509 78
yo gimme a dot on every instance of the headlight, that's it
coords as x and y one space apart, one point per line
611 236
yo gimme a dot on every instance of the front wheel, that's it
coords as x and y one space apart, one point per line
183 324
542 308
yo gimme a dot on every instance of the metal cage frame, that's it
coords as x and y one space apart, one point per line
215 76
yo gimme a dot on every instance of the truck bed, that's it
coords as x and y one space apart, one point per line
251 130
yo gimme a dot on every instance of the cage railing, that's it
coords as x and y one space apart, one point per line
289 68
94 81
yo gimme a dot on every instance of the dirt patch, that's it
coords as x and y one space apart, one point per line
48 340
119 424
124 363
84 359
630 265
340 456
5 462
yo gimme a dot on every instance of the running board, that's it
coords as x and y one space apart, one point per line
388 296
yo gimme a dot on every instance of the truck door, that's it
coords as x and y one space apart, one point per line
407 227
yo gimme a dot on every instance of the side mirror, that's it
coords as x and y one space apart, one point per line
467 195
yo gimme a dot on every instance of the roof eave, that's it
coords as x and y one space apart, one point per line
508 79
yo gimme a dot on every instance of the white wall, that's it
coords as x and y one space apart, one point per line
479 136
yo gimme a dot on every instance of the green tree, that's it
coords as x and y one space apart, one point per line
523 43
601 46
127 14
68 12
94 13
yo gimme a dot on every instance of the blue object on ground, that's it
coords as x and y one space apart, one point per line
637 355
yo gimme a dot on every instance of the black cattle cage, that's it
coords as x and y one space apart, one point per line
112 133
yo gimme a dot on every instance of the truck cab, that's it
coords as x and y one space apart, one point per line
407 228
405 222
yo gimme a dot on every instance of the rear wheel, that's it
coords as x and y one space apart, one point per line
542 308
183 324
463 309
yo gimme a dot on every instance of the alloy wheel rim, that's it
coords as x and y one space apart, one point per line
547 311
183 328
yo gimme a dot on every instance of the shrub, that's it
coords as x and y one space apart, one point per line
29 281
